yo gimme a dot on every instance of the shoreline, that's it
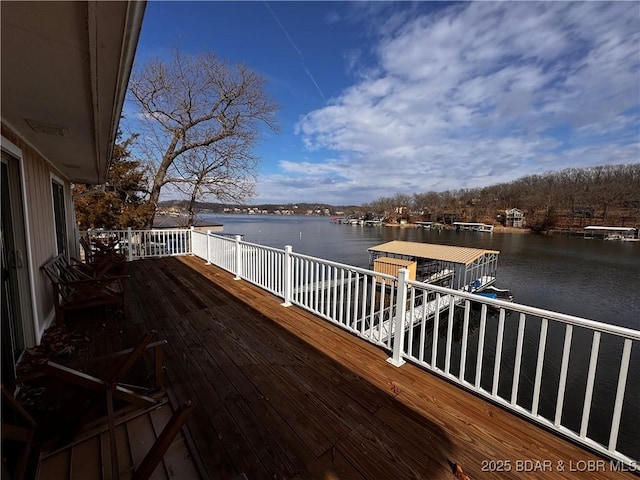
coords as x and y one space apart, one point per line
496 229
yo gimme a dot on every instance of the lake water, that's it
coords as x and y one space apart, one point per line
594 279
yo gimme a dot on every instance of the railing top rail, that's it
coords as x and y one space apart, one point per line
204 234
173 229
136 230
345 266
550 315
262 247
226 238
103 232
539 312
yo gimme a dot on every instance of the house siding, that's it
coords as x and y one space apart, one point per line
37 173
514 218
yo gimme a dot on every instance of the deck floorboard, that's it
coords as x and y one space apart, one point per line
280 393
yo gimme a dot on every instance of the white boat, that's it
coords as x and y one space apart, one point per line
614 236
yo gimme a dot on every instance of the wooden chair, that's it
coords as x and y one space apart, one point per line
78 287
96 441
18 436
104 258
89 251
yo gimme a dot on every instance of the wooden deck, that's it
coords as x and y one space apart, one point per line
282 394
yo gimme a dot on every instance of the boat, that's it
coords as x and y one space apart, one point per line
614 236
374 223
496 293
473 227
493 293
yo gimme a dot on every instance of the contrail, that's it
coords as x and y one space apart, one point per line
284 30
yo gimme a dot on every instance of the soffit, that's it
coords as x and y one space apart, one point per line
65 68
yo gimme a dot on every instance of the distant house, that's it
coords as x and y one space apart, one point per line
401 209
514 218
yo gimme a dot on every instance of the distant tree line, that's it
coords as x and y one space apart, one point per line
214 207
571 198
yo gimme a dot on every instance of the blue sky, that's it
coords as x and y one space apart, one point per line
379 98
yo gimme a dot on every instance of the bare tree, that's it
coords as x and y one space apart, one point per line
225 171
122 201
197 102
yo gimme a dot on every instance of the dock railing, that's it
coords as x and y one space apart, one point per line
526 359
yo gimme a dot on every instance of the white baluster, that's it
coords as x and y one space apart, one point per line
401 311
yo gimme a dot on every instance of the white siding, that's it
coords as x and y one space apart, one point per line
40 229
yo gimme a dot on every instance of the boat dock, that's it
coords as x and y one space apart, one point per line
462 268
627 234
414 317
473 227
417 314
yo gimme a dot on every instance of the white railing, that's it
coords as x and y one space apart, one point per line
263 266
526 359
487 358
217 250
137 244
358 300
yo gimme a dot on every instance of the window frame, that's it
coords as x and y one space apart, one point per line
59 212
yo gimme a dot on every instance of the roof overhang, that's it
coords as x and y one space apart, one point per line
65 70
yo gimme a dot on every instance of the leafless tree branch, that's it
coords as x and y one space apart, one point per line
201 118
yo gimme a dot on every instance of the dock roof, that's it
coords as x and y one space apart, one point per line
447 253
615 229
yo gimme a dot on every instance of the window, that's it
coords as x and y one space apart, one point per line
59 216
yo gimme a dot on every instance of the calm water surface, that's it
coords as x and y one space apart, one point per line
594 279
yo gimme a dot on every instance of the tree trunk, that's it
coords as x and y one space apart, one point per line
153 201
191 214
159 179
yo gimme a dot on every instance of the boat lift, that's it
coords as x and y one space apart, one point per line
459 268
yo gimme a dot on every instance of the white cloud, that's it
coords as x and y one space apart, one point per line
476 94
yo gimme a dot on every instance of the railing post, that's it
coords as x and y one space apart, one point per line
238 258
189 247
208 245
399 320
129 244
287 276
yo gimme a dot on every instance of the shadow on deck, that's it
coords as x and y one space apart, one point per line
280 393
284 394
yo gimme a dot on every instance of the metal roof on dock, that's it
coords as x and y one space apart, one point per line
616 229
447 253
